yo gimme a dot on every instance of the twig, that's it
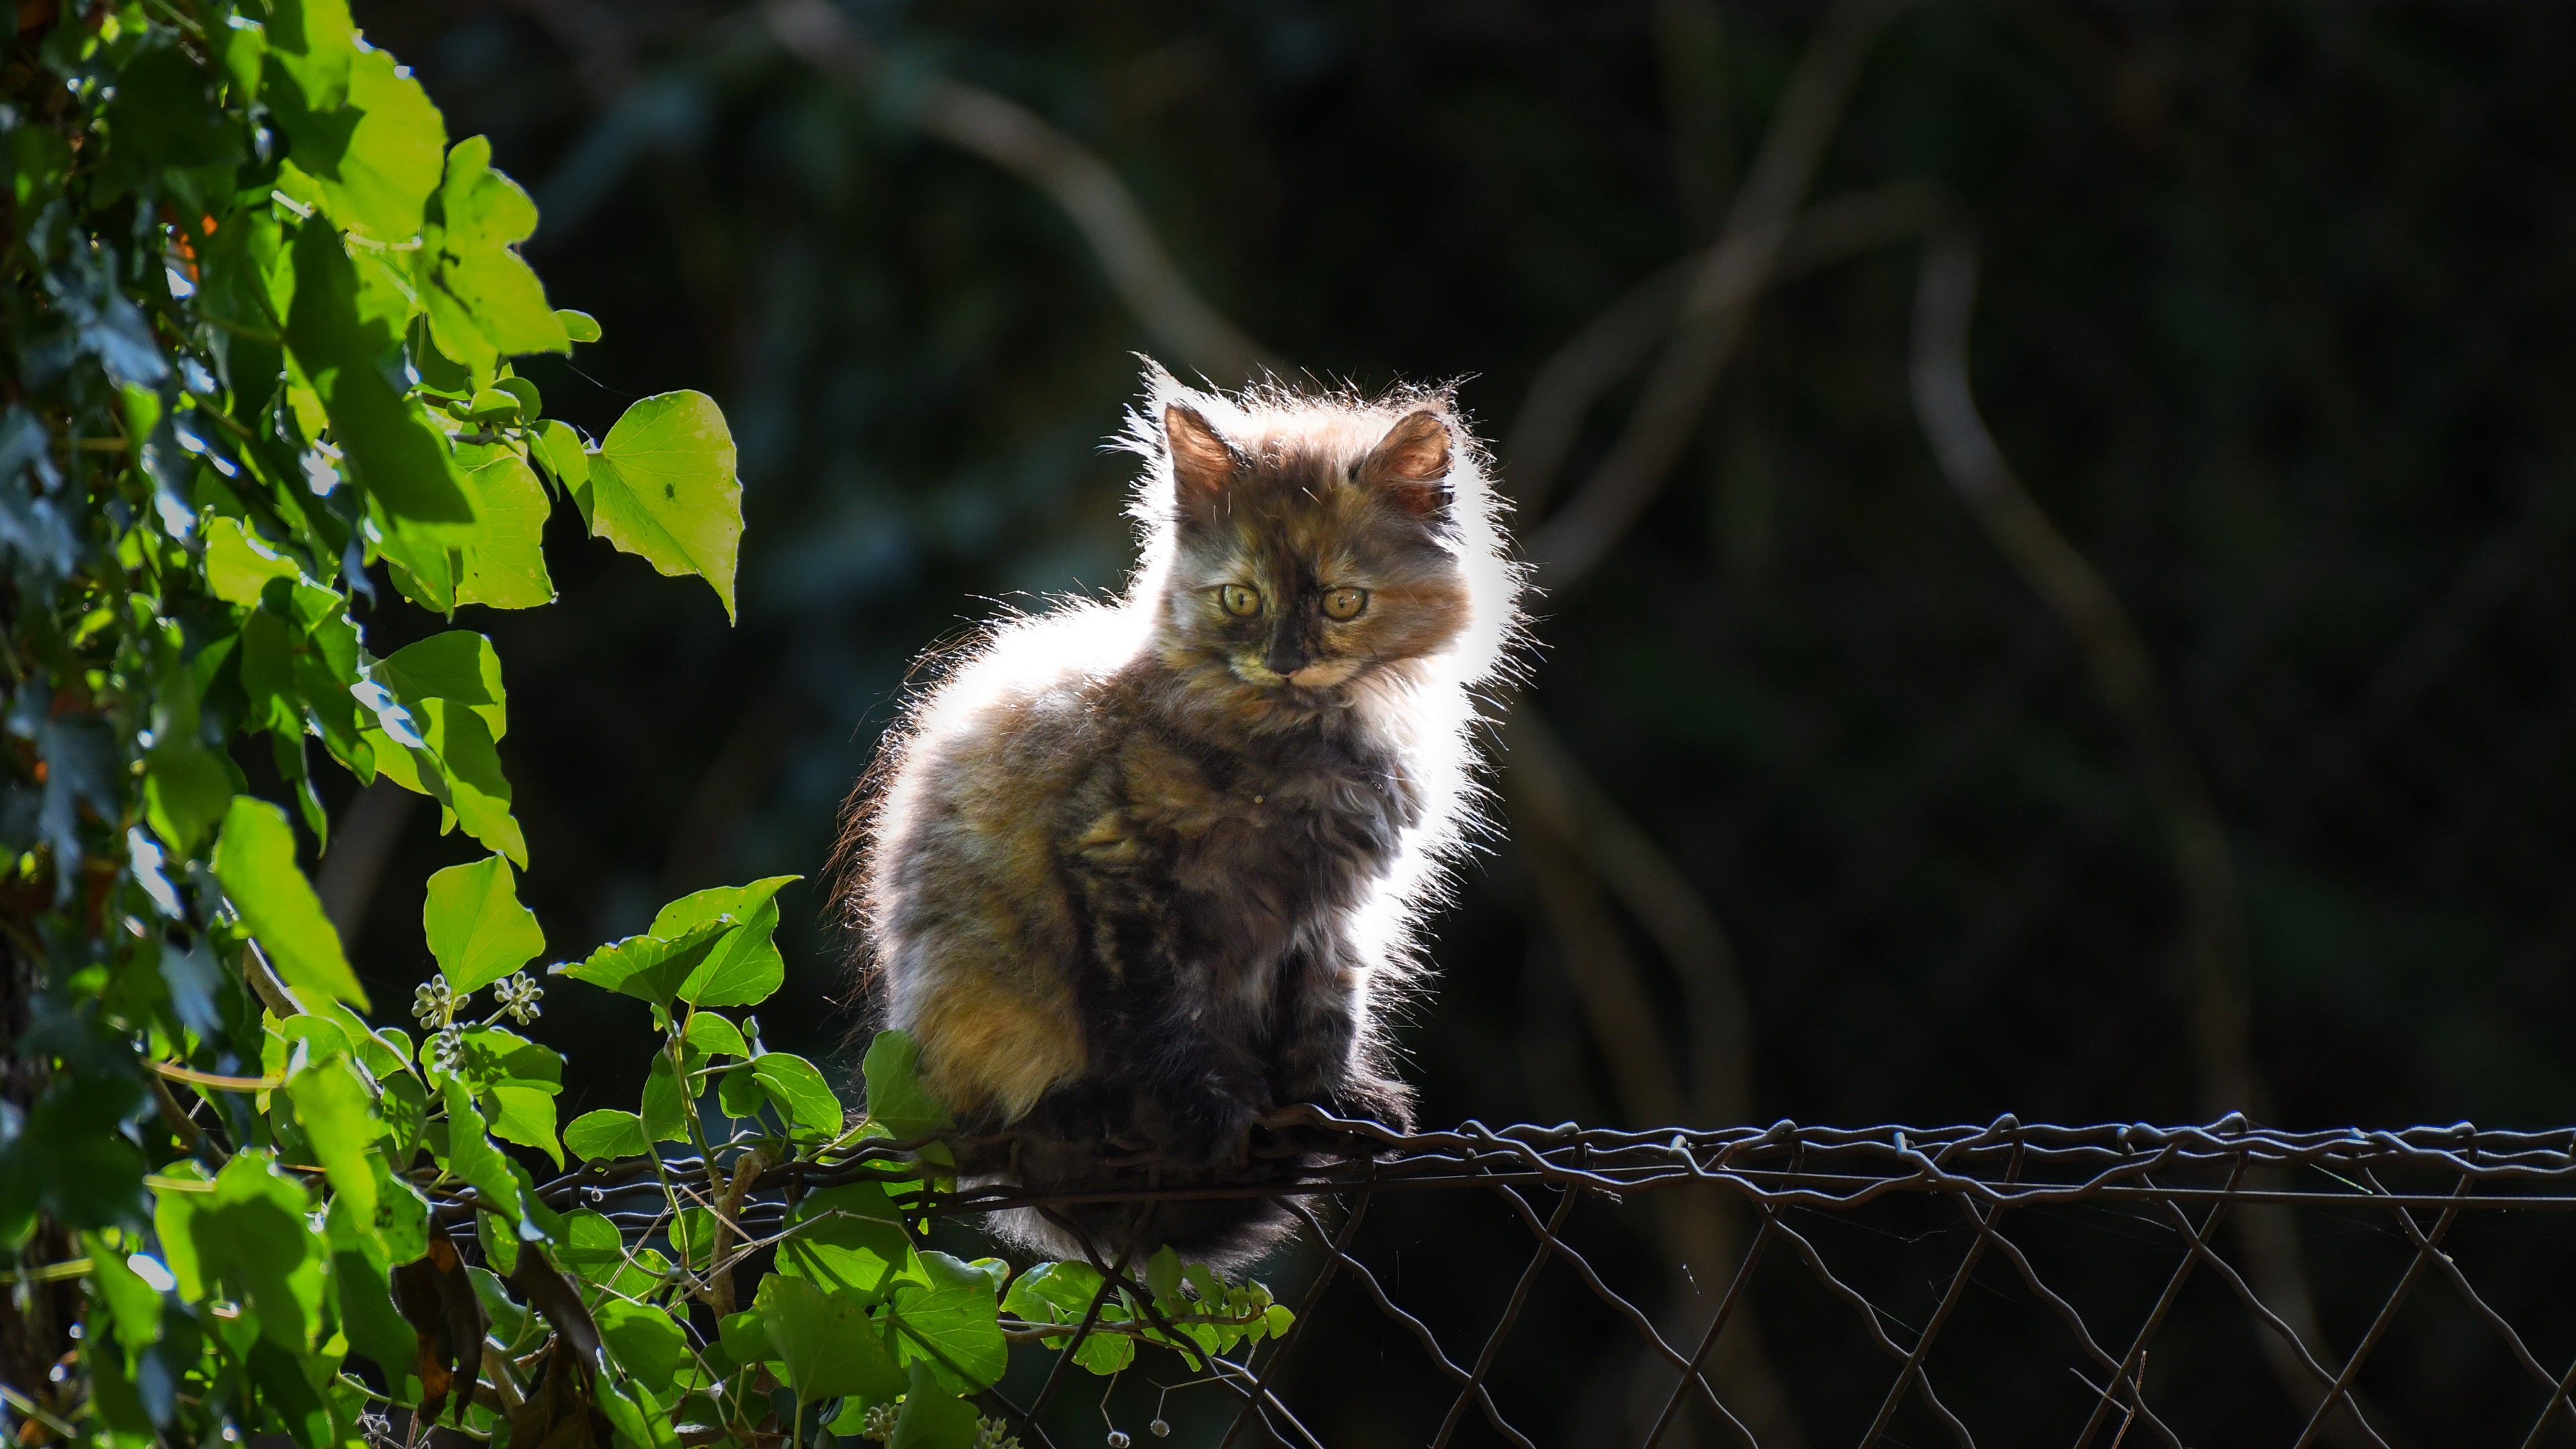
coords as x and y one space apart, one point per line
1737 269
1017 139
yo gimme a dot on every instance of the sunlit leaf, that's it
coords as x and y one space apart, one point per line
662 487
606 1133
387 444
483 300
374 158
826 1341
802 1095
505 564
334 1109
476 927
950 1324
897 1101
255 860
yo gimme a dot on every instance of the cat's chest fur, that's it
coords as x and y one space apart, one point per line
1241 849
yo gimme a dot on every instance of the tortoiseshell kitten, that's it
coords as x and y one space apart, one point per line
1137 872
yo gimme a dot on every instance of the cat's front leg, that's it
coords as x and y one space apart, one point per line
1198 1096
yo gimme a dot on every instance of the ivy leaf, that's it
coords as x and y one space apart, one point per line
185 791
387 444
460 665
830 1348
950 1324
558 448
455 764
332 1107
647 968
932 1417
255 861
484 302
744 969
239 563
373 158
850 1238
641 1340
250 1235
716 1036
897 1101
471 1155
605 1134
802 1095
505 565
662 487
311 43
475 925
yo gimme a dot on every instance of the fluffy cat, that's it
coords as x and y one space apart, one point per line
1136 872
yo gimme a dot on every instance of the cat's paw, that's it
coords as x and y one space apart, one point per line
1212 1133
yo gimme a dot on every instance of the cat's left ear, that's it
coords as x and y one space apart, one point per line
1411 463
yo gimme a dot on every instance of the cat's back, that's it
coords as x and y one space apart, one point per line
994 747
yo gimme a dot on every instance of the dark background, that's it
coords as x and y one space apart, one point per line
2274 326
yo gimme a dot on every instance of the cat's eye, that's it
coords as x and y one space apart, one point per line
1344 603
1239 601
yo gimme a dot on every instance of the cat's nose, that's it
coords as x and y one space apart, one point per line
1284 657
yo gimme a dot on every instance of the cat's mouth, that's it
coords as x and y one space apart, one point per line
1322 674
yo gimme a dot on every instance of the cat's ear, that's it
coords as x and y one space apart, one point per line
1410 462
1203 462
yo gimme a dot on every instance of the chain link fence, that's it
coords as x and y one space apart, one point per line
1989 1285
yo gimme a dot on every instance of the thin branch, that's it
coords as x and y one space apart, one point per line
1613 343
1018 140
1737 270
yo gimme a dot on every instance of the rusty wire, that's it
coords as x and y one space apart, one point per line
2169 1187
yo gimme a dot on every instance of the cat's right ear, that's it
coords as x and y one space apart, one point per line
1203 462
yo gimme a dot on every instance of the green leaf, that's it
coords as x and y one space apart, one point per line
662 487
803 1097
641 1340
471 1155
525 1115
239 563
745 1338
505 565
665 1110
311 43
579 326
457 765
132 1303
850 1238
374 1326
255 860
402 1214
933 1417
558 449
387 443
830 1348
484 302
606 1133
717 905
250 1235
715 1036
458 665
374 159
333 1108
744 968
897 1101
647 968
476 927
951 1325
185 790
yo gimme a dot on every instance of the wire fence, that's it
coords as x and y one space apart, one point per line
1997 1284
